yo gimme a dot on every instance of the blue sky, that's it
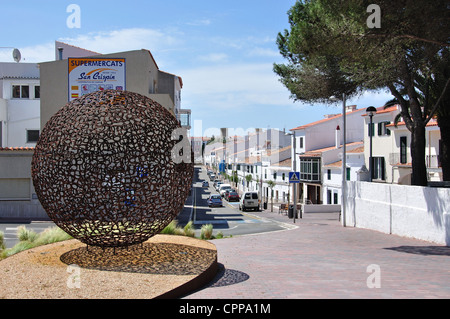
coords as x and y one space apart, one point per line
223 50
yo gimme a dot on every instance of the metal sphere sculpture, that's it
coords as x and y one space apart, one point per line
104 169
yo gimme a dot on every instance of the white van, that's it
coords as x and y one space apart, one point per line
223 188
249 200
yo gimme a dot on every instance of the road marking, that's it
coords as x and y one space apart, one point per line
213 222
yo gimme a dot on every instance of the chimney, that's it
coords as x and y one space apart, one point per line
350 108
60 51
338 136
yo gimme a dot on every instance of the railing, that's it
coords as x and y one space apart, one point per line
432 161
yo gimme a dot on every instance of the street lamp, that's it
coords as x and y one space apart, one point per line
371 111
294 184
344 155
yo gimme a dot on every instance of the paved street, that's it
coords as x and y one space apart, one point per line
228 219
322 259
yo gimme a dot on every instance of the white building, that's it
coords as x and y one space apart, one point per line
391 149
19 104
254 160
319 144
332 174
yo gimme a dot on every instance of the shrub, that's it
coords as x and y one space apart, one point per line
25 234
170 229
189 229
30 239
52 235
206 231
219 235
2 241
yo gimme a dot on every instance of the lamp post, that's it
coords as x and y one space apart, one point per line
344 156
371 111
294 186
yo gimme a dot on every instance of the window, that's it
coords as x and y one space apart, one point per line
378 168
32 136
335 195
20 91
382 129
37 92
301 142
348 171
310 169
274 176
328 174
403 150
283 177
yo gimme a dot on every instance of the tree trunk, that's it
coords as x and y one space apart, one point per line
419 167
444 152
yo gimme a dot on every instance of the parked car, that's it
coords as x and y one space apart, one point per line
249 200
218 185
205 184
212 177
215 200
223 188
225 194
232 196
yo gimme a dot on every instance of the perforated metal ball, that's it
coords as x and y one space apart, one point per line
104 171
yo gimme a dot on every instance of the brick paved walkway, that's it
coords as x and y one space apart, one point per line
322 259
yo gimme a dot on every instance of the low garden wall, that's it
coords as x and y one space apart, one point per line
409 211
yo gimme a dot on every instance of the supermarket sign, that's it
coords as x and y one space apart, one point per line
87 75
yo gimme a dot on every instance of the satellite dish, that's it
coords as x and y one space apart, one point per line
16 55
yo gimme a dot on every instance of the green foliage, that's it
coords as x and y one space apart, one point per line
52 235
331 50
206 231
189 229
25 234
170 229
30 239
2 241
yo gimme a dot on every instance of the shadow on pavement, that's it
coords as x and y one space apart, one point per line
423 250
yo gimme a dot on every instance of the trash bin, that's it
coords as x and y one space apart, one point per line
291 212
265 205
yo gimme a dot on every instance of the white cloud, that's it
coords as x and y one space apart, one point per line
214 57
123 40
231 86
263 52
200 22
31 54
104 42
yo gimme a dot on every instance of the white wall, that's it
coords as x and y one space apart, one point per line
403 210
19 115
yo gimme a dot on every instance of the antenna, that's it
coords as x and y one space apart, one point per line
16 55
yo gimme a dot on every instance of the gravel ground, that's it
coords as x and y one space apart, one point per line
144 271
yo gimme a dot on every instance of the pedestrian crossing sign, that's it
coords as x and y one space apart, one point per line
294 177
